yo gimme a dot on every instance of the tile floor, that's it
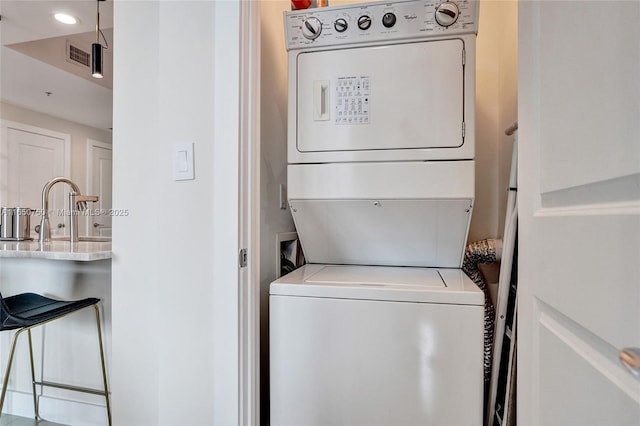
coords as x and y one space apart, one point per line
9 420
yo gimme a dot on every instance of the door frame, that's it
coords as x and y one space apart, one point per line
249 220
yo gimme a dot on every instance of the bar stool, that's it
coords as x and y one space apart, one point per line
25 311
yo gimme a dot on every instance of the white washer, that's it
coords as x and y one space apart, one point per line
370 345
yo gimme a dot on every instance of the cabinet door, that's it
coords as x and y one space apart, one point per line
579 212
30 157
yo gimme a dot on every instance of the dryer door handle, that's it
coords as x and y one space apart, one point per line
321 100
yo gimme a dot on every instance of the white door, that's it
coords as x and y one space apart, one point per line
99 182
579 198
30 157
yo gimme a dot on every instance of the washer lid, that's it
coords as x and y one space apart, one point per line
400 284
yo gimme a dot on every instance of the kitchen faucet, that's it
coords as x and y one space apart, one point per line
76 201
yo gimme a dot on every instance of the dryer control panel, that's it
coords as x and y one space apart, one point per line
379 21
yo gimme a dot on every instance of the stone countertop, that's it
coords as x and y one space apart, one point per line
56 250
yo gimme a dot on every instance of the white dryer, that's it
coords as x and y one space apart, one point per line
381 134
384 81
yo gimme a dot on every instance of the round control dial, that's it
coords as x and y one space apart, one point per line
447 14
389 20
364 22
340 25
311 28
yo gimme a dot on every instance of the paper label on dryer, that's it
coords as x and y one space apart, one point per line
353 100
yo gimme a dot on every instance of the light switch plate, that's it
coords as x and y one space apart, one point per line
183 161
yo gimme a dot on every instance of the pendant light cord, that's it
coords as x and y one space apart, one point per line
98 30
98 21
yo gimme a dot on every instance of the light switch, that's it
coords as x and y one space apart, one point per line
183 161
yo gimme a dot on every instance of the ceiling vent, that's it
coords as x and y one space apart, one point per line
77 56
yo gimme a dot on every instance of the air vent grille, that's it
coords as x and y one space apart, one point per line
78 56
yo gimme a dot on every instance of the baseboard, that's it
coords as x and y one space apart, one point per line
57 410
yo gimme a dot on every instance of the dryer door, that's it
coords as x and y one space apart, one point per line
406 96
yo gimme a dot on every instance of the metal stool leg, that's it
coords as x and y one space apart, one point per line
104 368
33 377
57 385
8 370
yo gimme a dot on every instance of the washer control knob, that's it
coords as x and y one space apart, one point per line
311 28
364 22
447 14
340 25
389 20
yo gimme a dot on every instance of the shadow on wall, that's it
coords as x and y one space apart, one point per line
273 172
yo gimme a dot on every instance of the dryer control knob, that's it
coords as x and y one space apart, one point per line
340 25
389 20
311 28
364 22
447 14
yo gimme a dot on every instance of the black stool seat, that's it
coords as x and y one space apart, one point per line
29 309
25 311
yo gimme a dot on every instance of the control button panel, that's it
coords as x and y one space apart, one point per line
379 21
352 100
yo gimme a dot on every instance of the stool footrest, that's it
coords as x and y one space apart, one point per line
70 387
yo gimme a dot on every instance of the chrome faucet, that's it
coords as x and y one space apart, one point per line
76 201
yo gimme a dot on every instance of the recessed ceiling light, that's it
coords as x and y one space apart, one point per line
65 19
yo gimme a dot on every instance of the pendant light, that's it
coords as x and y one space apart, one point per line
96 48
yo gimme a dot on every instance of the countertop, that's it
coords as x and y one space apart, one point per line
56 250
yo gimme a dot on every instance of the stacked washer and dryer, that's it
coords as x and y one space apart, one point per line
381 327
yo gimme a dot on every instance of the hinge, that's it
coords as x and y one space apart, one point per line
464 57
463 132
242 258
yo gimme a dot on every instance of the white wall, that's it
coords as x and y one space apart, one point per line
175 255
273 171
496 109
79 134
